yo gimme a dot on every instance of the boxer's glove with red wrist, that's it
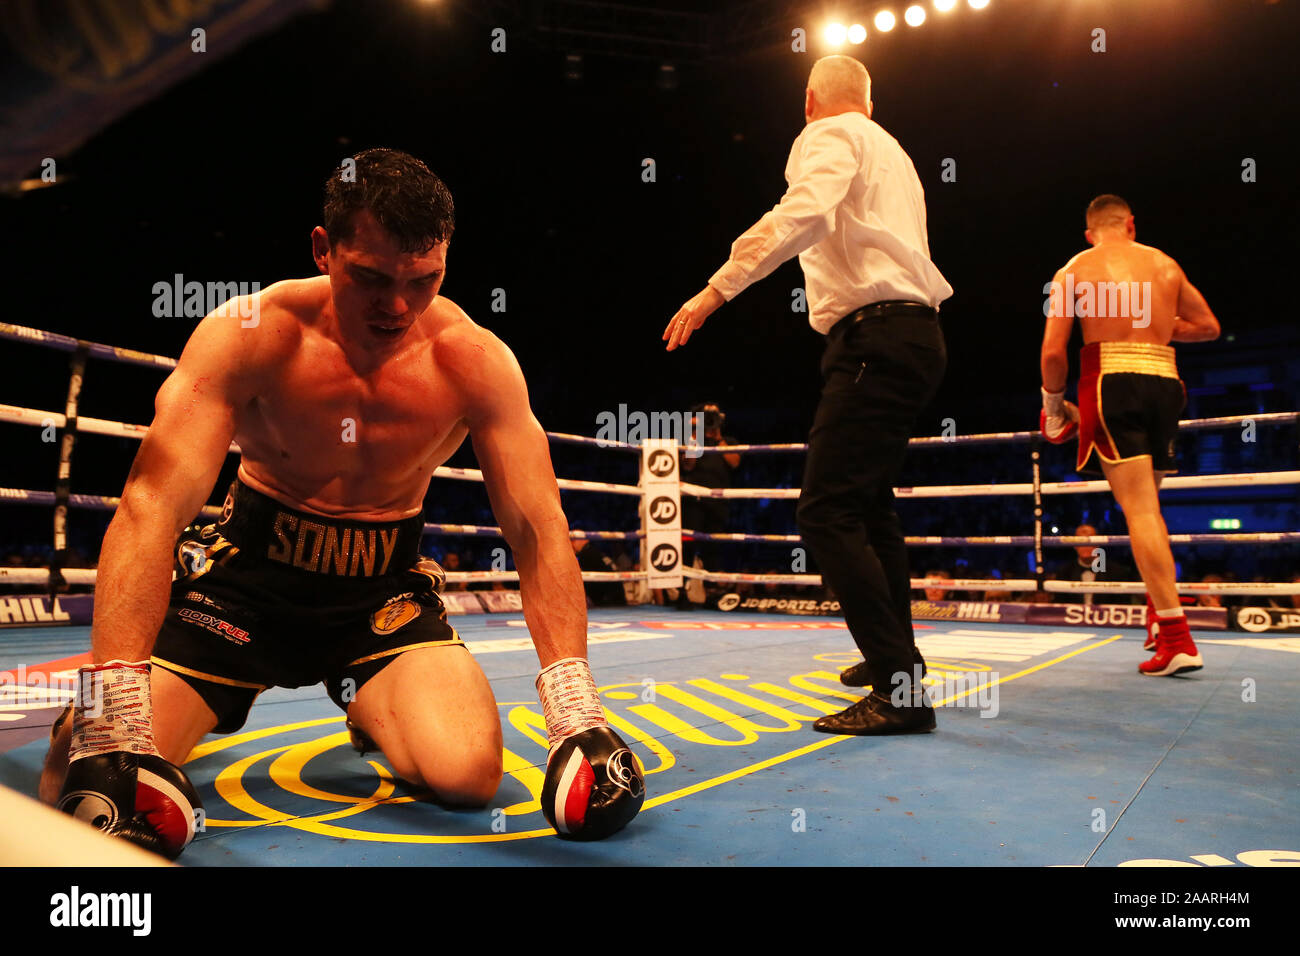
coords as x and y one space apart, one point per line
1059 419
117 781
594 783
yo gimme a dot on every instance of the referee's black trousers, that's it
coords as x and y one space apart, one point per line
877 375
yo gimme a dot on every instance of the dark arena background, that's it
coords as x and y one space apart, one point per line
602 158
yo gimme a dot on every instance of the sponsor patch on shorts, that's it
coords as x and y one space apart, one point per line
394 615
215 625
198 597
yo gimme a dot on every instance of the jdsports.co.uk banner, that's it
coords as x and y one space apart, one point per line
1055 615
1261 619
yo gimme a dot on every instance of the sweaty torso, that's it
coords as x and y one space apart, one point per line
327 433
1124 292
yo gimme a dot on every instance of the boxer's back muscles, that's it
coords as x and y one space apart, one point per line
1133 290
1128 292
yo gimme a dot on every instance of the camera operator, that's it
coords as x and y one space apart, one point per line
713 470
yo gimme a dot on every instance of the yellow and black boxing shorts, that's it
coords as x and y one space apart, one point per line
1130 397
274 597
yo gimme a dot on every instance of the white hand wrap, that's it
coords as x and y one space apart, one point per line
570 701
1054 403
113 711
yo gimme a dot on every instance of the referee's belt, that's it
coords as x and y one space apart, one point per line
891 307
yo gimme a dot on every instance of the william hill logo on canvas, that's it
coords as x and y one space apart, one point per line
668 725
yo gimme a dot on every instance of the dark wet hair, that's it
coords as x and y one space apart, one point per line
405 197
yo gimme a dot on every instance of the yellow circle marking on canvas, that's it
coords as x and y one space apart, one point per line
229 782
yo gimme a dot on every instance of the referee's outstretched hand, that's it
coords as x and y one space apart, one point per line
691 316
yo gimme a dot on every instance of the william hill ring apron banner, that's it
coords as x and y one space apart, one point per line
661 513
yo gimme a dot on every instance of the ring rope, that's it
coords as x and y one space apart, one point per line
36 417
66 343
31 416
88 576
1260 478
1072 541
107 503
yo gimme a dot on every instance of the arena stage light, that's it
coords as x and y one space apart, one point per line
885 21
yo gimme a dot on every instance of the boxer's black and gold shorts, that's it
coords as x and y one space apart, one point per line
1130 397
274 597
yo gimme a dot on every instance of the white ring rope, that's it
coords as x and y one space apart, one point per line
88 575
31 416
106 503
1026 540
1260 478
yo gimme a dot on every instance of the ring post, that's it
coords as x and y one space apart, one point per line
661 513
57 584
1035 454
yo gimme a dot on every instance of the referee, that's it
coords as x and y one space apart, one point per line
854 213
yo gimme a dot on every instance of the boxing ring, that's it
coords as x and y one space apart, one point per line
1050 751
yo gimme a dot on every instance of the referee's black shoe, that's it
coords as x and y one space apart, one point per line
874 715
859 675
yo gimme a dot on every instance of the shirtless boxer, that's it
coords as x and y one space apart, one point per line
344 393
1132 301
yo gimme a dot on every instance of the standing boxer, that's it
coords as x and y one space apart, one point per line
855 214
1132 301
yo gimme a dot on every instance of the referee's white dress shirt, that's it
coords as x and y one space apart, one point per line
854 213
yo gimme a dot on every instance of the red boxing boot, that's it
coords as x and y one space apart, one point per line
1150 643
1175 651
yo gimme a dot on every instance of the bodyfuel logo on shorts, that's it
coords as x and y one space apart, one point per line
1099 300
73 909
236 635
661 517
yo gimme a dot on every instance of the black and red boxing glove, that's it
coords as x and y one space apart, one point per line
117 781
594 784
1059 419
